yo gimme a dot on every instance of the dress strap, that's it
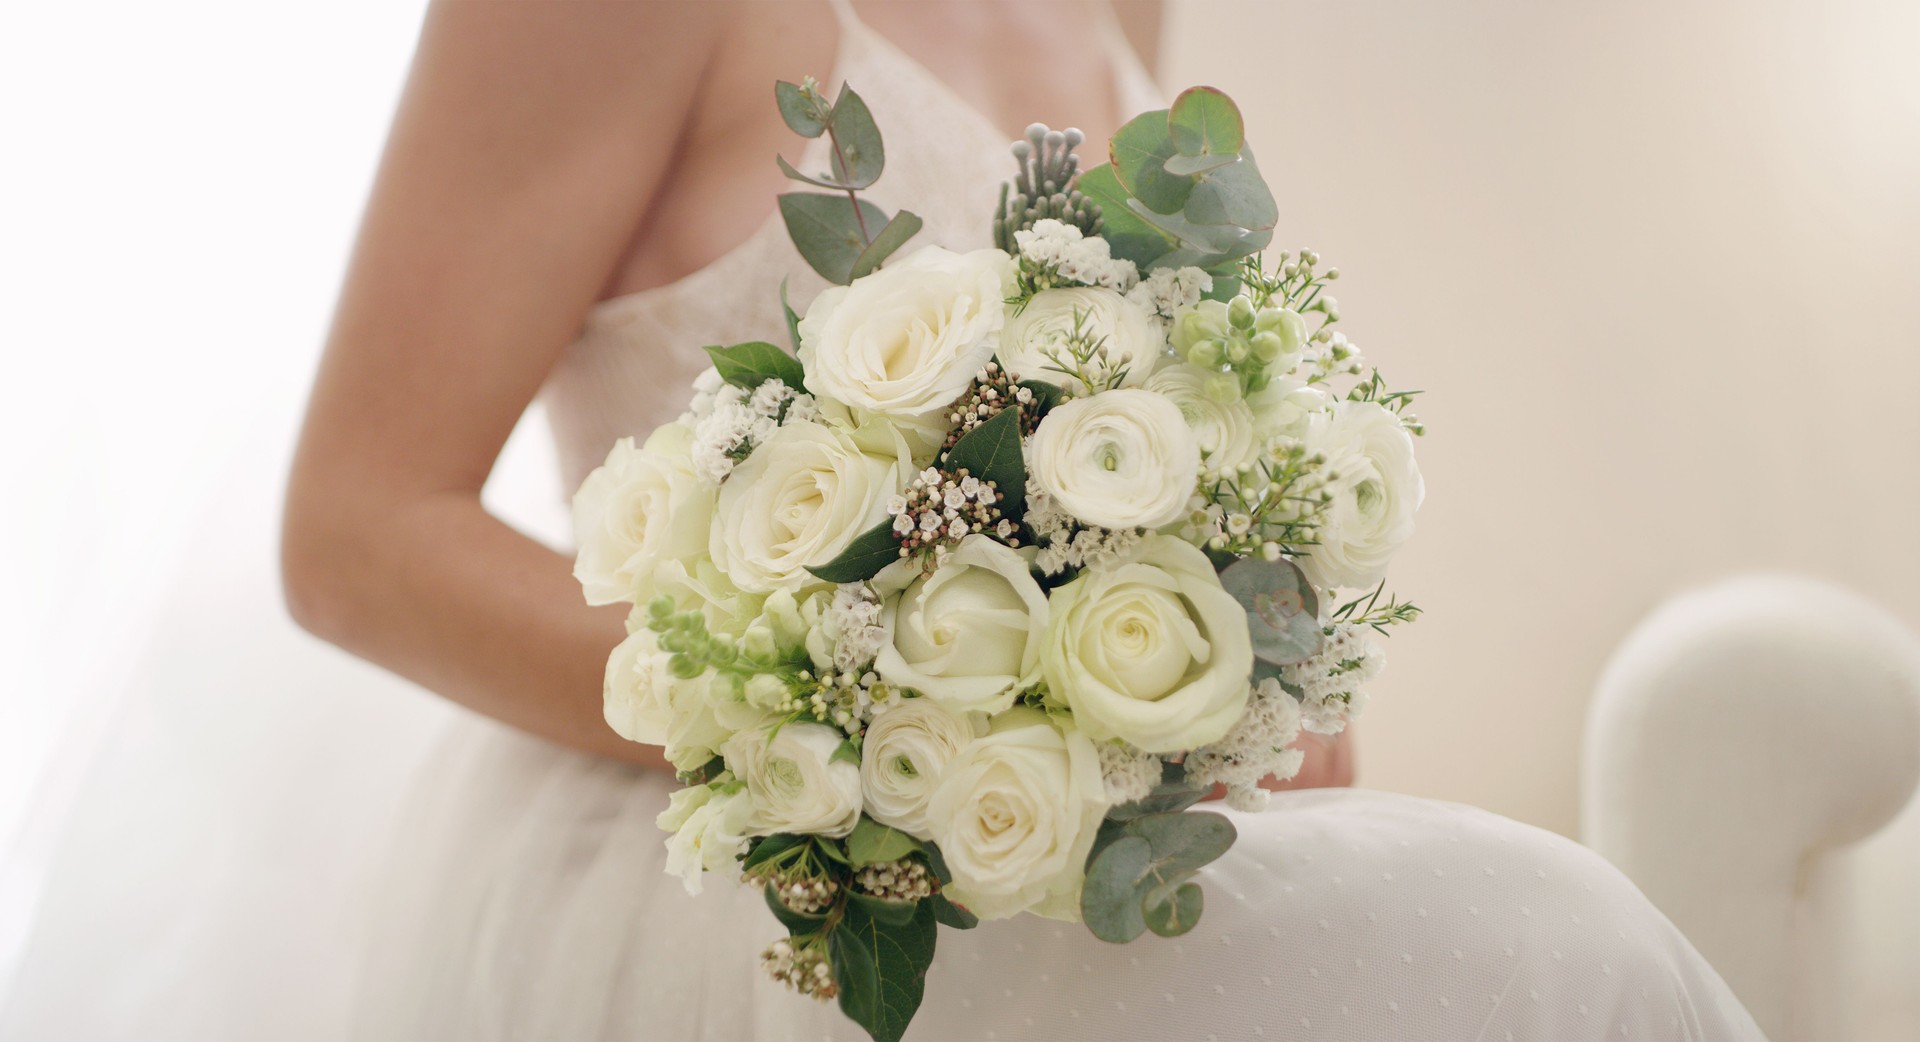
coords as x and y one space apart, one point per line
843 11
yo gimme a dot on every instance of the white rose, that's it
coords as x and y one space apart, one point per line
1376 489
967 636
639 508
1287 409
798 501
793 781
644 702
1015 815
1151 651
1035 340
1222 422
1120 459
907 339
905 752
708 833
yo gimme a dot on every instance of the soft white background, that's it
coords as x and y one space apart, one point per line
1656 264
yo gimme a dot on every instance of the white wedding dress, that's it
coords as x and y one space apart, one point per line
520 892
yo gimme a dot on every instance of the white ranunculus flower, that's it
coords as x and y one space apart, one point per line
1120 459
906 339
799 500
967 636
1287 408
1015 815
1035 340
793 781
644 702
1376 489
1152 651
641 507
708 833
906 750
1222 422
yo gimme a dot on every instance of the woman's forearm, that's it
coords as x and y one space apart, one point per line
439 591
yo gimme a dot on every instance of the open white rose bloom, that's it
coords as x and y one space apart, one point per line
955 606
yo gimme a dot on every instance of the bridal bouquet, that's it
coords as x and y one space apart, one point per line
952 612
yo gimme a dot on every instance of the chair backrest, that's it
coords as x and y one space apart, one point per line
1739 738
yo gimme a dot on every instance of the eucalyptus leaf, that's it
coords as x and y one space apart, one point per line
1188 166
1127 235
1182 843
793 318
991 452
1234 194
799 113
822 181
871 843
751 364
1110 897
1178 912
1204 121
859 155
870 551
1139 152
881 968
827 234
903 227
1283 612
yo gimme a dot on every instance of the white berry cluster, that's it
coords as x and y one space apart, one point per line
728 421
1254 749
903 880
803 968
1330 683
806 896
847 700
1065 543
1129 773
993 391
937 510
1056 254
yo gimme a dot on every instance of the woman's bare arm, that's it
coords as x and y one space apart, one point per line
527 147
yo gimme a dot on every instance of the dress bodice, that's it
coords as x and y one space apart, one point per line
632 366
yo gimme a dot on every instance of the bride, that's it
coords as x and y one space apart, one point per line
574 199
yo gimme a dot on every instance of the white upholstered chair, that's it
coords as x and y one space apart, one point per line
1743 743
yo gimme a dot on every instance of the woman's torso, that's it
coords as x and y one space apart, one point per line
631 367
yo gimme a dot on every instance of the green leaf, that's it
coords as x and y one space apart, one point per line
1204 121
872 843
1178 913
1235 195
881 968
1283 612
765 849
1139 152
794 174
870 551
1045 396
946 913
857 140
885 912
938 862
824 230
1127 235
799 113
845 752
1182 843
797 924
793 318
751 364
991 452
1188 166
903 227
1110 898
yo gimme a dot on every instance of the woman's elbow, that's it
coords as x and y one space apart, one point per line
314 550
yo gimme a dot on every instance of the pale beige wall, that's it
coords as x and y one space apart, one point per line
1658 266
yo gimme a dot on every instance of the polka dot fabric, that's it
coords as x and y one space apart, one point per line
1345 914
